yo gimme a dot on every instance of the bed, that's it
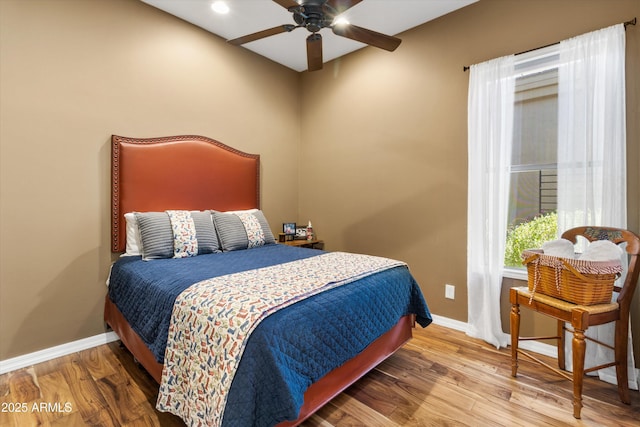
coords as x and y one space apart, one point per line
298 353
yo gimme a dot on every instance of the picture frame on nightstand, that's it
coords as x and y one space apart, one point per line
289 230
301 233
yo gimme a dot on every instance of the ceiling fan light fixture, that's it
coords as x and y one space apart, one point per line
220 7
340 20
314 15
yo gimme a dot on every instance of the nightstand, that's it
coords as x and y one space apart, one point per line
313 244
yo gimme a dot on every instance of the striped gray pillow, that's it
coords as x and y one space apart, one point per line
231 231
156 234
205 232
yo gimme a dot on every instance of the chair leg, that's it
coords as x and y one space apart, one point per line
621 347
515 334
578 346
560 342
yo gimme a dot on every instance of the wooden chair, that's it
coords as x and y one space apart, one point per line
582 317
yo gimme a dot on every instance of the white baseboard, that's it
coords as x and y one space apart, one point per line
449 323
50 353
536 347
540 348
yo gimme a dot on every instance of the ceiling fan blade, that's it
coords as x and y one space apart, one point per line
287 4
369 37
340 6
314 52
262 34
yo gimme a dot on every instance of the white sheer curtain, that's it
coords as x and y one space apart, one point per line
592 151
490 133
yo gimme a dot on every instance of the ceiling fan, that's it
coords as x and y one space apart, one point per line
314 15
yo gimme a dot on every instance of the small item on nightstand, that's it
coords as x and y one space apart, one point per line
309 231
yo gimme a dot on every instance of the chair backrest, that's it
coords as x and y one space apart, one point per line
617 236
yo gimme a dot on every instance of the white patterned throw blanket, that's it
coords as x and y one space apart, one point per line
212 320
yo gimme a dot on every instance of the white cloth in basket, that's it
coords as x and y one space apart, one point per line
561 248
601 250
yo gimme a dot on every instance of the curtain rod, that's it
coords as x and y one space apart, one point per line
631 22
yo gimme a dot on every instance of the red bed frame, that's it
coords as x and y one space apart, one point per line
196 173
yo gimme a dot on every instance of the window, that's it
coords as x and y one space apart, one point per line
534 151
533 185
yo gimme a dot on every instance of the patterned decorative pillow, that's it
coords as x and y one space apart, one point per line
185 243
157 235
242 229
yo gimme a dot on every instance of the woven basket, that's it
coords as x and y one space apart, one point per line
572 280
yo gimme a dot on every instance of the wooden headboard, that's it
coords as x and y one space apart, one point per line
185 172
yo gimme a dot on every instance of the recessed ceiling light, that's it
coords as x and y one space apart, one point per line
220 7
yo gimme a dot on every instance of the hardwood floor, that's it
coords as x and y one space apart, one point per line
440 378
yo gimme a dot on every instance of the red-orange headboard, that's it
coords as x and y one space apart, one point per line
178 172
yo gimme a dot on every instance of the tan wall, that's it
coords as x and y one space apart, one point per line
75 72
383 156
381 147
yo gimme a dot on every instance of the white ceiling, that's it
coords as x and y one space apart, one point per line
389 17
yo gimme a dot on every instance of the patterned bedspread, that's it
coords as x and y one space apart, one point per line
213 319
278 362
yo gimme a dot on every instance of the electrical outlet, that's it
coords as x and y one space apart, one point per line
449 291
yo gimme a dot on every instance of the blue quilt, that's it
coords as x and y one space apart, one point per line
279 362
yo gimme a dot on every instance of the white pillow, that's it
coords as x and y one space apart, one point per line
134 245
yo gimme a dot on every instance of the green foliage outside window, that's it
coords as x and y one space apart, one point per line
528 235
